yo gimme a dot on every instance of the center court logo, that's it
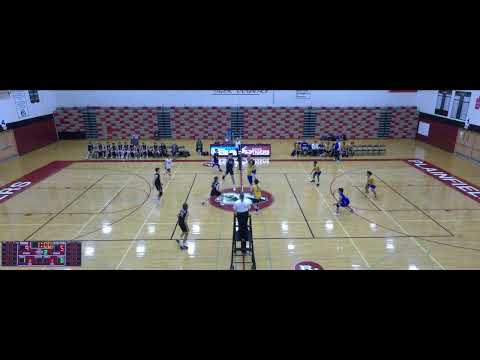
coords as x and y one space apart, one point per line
228 198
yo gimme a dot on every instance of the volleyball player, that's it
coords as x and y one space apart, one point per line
316 173
343 202
229 169
144 151
182 223
90 151
251 172
371 184
120 151
215 189
100 151
114 151
168 166
257 193
108 152
216 161
156 150
157 183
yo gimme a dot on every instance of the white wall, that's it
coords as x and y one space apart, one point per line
427 99
206 98
46 106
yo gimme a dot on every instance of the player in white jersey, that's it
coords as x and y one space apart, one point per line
168 166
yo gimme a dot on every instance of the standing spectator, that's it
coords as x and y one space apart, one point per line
199 146
4 126
174 150
315 149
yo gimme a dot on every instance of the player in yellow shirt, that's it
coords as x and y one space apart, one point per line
257 193
316 173
370 184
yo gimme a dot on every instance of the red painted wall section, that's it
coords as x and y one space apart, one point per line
440 135
35 135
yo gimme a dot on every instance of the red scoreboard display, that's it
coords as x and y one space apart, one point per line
41 253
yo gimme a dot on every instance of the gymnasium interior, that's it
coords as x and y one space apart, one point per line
64 206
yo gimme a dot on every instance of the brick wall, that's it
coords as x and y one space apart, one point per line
355 123
69 119
204 122
121 122
273 123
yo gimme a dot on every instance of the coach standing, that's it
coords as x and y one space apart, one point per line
241 208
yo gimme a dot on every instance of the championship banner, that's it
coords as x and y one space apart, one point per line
20 103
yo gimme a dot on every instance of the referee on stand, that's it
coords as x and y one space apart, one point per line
241 208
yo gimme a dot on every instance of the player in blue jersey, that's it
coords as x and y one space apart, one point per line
343 202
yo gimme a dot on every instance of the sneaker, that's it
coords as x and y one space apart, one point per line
184 247
312 180
318 185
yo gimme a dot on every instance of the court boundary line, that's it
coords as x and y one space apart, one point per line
427 253
66 207
299 206
256 238
413 204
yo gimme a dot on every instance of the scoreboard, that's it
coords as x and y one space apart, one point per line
41 253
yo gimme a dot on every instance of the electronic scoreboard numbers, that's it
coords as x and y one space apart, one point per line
41 253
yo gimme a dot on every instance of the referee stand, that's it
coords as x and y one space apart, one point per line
243 253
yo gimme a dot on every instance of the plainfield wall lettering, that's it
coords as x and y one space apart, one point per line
466 188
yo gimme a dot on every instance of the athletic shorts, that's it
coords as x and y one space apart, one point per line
316 174
250 179
229 171
183 227
168 170
345 203
370 186
158 187
215 193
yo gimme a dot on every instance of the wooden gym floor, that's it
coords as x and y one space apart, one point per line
111 208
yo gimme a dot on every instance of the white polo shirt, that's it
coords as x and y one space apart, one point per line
242 206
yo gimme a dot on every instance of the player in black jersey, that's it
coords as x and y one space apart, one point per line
215 161
182 223
125 150
90 150
215 190
101 152
156 151
151 153
157 183
163 150
108 152
229 169
144 151
119 150
114 150
131 151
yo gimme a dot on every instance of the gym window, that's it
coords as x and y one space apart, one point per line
461 101
443 102
34 98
